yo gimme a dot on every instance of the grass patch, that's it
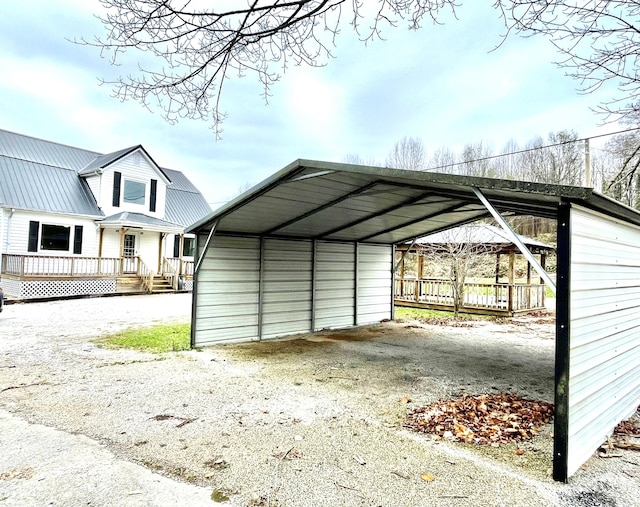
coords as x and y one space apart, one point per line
424 314
156 339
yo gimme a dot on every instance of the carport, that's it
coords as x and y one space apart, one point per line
312 247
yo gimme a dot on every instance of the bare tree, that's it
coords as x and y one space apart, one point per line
622 156
599 41
454 254
443 161
408 153
476 160
193 46
353 158
558 160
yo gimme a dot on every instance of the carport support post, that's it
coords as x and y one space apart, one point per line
314 277
561 415
356 262
393 282
194 292
261 288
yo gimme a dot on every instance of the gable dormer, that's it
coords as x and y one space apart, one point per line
128 180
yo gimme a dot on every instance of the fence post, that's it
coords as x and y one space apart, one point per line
510 298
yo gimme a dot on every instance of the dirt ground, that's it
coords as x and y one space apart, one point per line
311 421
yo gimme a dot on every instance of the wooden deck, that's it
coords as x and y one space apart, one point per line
53 276
485 298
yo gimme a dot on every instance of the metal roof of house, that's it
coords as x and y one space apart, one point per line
104 161
34 186
342 202
43 176
480 234
139 220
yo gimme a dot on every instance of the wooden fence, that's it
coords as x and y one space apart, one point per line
498 297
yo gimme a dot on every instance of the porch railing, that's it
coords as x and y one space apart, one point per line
180 266
169 272
146 275
491 296
46 266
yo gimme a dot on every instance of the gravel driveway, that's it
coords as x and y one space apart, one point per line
316 421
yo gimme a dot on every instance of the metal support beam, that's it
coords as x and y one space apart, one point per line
516 240
356 276
329 204
206 247
393 280
261 289
314 283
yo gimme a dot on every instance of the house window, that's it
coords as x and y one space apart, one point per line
189 247
55 237
134 192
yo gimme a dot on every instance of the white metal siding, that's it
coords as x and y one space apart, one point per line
286 290
137 168
227 295
335 285
375 283
241 297
3 231
604 368
19 233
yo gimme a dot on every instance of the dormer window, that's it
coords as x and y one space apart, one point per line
134 192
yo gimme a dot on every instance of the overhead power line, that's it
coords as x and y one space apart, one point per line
526 150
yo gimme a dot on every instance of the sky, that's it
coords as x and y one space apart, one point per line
442 84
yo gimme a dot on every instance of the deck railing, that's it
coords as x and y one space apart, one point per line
180 266
146 275
169 272
490 296
46 266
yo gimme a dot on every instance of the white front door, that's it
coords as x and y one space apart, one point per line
129 254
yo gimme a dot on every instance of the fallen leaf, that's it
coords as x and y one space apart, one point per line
427 477
519 452
406 400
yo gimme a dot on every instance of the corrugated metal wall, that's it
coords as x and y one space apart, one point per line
335 285
604 355
374 283
287 273
251 289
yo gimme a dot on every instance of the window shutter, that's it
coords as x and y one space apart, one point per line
152 197
77 240
34 228
117 177
176 246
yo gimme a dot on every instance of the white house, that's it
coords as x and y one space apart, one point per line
76 222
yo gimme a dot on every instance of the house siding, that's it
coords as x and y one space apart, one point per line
604 355
17 244
134 167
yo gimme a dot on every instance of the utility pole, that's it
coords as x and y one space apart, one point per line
587 164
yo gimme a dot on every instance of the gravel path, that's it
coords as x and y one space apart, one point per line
308 422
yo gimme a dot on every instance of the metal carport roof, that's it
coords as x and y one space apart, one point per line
344 202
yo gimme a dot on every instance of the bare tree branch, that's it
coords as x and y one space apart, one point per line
193 47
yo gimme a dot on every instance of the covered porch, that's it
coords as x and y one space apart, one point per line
509 293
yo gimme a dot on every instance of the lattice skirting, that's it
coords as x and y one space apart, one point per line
18 289
188 285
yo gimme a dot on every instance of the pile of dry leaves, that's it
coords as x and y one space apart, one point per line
486 419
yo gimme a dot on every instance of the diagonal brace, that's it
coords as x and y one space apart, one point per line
516 240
